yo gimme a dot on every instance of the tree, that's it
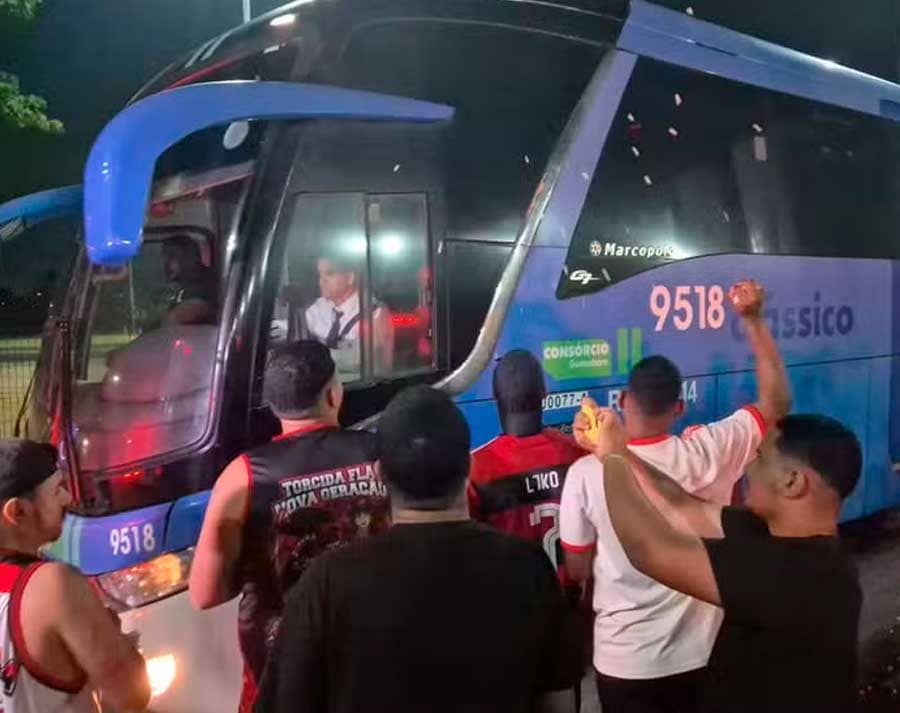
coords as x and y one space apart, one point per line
23 111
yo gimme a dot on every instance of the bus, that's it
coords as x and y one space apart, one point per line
580 179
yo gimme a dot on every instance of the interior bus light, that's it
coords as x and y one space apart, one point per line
162 210
405 319
391 244
148 582
161 672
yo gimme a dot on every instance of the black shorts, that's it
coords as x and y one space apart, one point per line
672 694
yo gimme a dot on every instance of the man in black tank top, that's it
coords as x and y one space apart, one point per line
275 508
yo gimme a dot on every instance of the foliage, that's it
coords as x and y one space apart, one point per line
23 111
23 9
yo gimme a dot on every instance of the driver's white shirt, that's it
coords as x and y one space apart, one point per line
320 316
642 629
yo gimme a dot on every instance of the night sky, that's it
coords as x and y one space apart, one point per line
88 57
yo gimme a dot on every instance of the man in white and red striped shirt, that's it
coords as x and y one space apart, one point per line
651 643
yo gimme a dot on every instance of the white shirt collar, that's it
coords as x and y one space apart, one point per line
349 308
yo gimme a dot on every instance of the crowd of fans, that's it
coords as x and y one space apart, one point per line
401 571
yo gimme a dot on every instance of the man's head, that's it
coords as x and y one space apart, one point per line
337 278
808 461
519 389
423 450
652 401
301 382
33 495
181 258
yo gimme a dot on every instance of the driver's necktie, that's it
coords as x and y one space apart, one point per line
334 334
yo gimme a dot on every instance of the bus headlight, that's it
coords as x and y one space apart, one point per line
161 673
149 581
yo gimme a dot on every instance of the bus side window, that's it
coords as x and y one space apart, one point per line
402 283
699 165
358 279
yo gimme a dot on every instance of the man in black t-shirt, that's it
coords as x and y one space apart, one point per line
791 595
440 613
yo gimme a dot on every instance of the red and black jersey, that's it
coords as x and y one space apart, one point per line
310 491
516 485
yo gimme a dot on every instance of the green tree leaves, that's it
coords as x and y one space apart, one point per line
18 110
23 9
24 111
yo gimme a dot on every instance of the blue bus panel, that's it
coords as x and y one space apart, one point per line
832 319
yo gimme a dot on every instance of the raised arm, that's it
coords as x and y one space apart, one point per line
652 545
773 388
214 572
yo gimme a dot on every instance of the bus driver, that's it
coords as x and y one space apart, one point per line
334 319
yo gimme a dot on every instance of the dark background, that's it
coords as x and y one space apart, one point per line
88 57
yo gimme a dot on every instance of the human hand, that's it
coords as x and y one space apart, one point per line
748 298
599 430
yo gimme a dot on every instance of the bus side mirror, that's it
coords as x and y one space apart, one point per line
119 170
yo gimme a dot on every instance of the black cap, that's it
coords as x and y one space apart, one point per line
24 465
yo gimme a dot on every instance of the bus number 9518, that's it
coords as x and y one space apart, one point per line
125 540
688 306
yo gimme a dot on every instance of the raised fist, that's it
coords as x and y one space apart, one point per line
747 297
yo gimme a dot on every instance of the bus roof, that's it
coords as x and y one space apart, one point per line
567 16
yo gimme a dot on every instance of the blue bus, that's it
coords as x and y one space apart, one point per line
581 179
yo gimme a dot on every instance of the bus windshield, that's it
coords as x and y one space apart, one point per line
145 334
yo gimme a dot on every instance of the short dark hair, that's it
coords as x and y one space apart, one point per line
826 445
655 383
423 446
342 260
296 375
519 382
24 465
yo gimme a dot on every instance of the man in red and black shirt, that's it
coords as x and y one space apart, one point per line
277 507
516 480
